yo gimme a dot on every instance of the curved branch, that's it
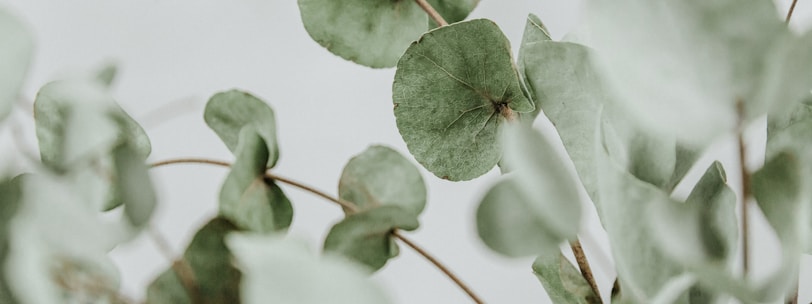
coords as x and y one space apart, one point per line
433 14
349 206
791 10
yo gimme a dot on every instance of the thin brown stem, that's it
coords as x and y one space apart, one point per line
439 266
791 10
433 14
583 264
349 206
181 268
746 191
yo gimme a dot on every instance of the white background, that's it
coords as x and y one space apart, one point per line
174 54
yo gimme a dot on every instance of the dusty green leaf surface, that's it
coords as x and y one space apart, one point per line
208 257
227 113
452 10
133 186
247 198
381 176
366 237
15 59
10 199
369 32
682 66
285 271
534 31
452 90
562 281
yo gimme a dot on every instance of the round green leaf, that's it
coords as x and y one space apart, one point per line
229 112
452 10
133 186
15 59
366 237
210 261
452 90
284 271
562 281
247 198
371 33
381 176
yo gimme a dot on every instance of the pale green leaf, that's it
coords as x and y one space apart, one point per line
562 281
249 199
209 258
534 31
133 186
370 33
366 237
452 10
283 271
788 78
10 200
452 90
381 176
15 58
107 74
229 112
682 66
78 121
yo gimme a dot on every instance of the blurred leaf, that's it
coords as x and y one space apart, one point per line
107 74
15 59
370 33
247 198
366 237
283 271
58 245
452 90
218 282
133 185
78 121
683 65
10 200
452 10
536 208
779 189
227 113
562 281
788 78
381 176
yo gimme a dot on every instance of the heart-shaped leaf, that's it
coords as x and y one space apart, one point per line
15 59
284 271
249 199
371 33
683 66
229 112
381 176
537 208
562 281
217 280
133 186
366 237
452 90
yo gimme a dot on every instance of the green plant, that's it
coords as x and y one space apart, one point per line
633 114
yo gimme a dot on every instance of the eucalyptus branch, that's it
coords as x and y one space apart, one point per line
745 185
583 265
433 14
349 206
791 10
181 268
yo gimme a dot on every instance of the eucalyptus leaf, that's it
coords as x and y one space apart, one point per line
10 200
788 78
249 199
381 176
683 66
452 90
284 271
218 281
534 31
366 237
133 185
15 59
107 74
370 33
562 281
227 113
452 10
78 121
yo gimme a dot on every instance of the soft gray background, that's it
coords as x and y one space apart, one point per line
176 53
